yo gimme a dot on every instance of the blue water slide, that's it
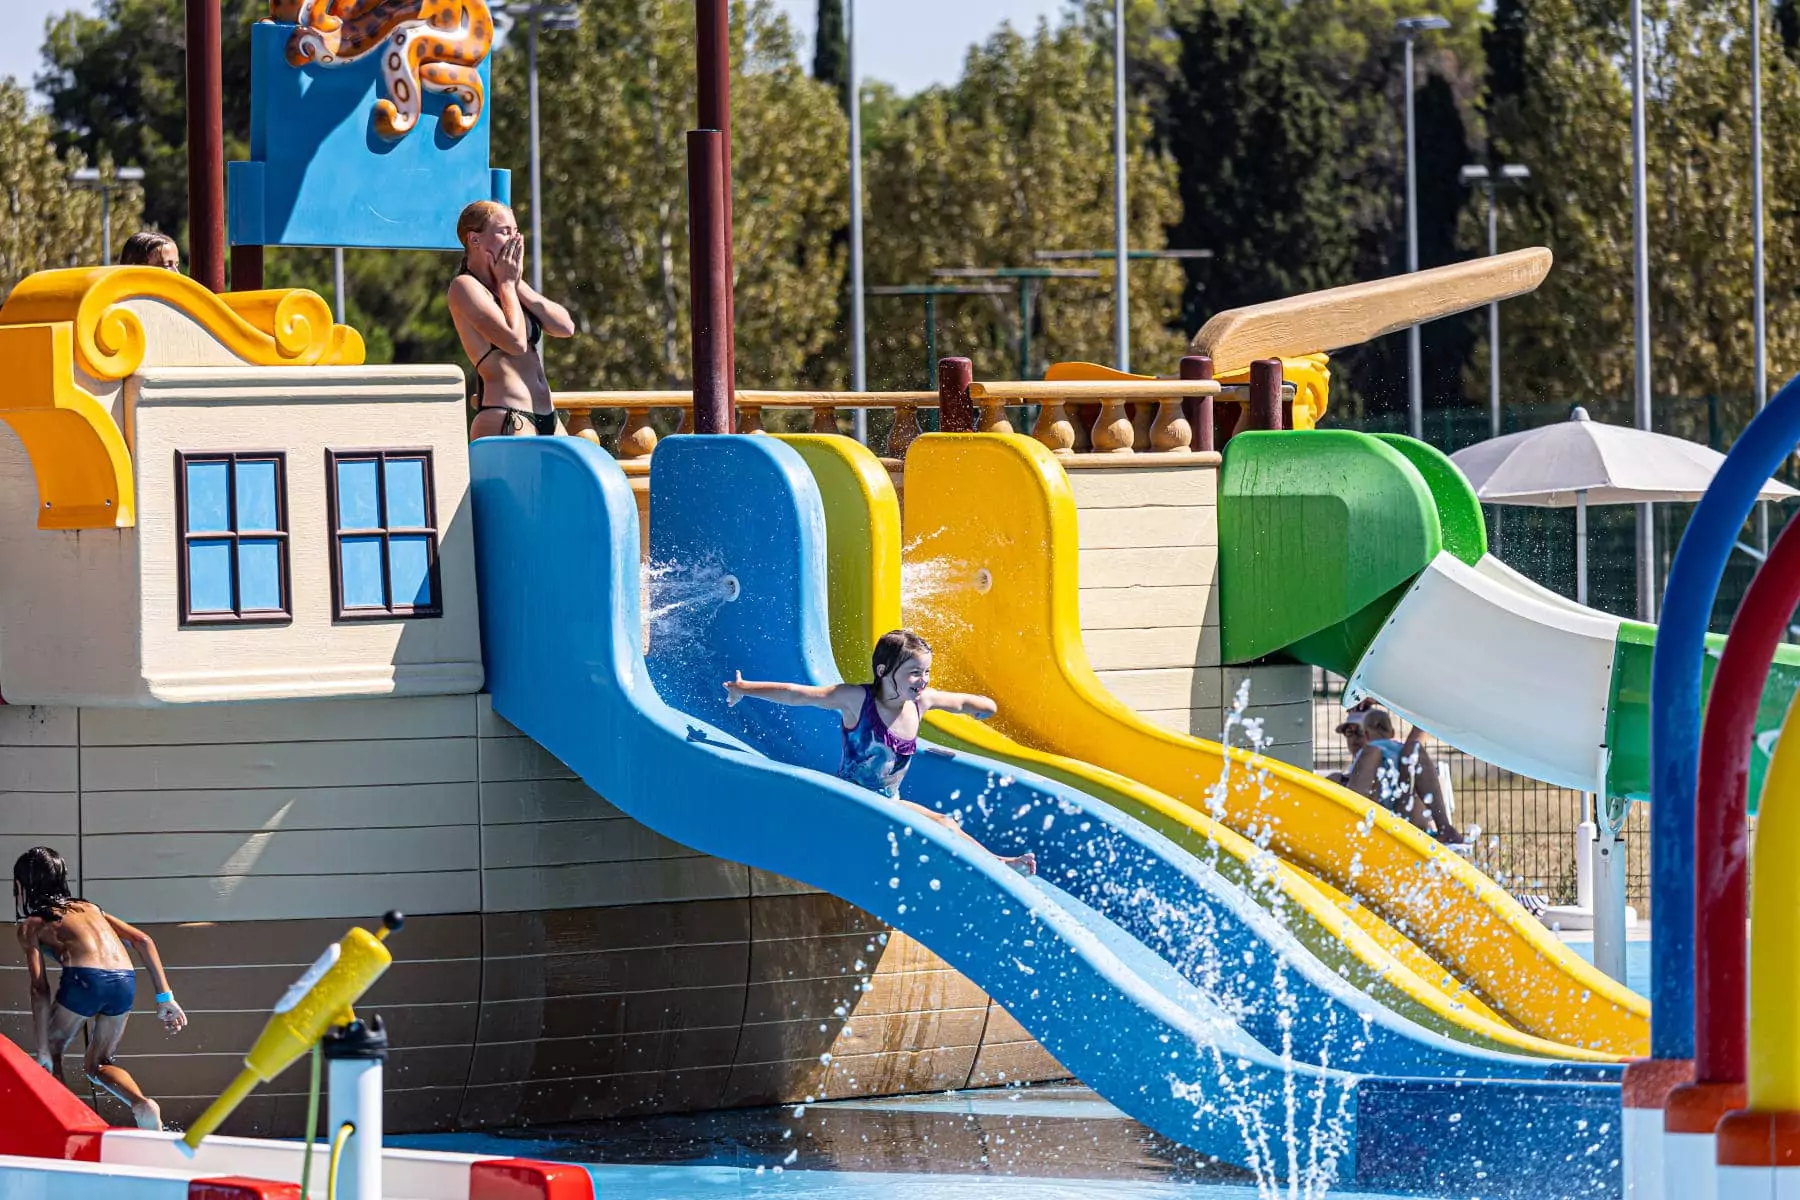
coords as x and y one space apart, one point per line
748 509
1067 954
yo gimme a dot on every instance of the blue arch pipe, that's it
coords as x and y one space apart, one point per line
1676 669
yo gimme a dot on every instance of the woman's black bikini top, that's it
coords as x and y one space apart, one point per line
534 333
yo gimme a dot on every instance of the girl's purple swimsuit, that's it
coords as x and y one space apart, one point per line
873 757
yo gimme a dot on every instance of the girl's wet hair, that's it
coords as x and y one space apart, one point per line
894 648
43 878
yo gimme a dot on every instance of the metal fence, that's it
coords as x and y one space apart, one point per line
1527 839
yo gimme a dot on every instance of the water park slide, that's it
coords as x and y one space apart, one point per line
724 507
557 548
1402 597
862 516
1018 639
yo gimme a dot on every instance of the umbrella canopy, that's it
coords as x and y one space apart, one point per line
1612 464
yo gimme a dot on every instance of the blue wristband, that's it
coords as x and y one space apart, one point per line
165 997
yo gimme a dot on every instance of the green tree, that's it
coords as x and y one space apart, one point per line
831 51
49 223
1259 148
1572 341
1014 158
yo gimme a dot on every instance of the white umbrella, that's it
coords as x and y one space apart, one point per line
1580 462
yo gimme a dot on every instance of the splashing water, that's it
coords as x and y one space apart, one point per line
676 598
928 583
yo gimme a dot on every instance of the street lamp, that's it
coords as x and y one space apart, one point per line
554 18
92 179
1476 175
1409 29
859 353
1121 231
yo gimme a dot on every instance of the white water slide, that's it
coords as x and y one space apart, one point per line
1500 667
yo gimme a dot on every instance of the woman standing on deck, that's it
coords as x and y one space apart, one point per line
500 320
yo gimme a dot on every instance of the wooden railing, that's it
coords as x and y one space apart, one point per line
1125 416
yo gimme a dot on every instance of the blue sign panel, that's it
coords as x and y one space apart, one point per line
376 145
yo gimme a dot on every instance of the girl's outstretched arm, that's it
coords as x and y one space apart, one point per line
966 703
843 698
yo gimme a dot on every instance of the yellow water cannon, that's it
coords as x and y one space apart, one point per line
317 1001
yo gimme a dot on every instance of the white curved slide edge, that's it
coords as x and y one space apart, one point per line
1477 657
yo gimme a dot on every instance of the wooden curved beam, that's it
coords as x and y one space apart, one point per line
1360 312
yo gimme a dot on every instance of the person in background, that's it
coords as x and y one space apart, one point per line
147 248
1402 778
98 983
500 320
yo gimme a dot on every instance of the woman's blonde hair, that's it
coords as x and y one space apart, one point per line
474 219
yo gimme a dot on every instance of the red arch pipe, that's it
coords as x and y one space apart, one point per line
1721 890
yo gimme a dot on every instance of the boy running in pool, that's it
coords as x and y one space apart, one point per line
881 720
98 982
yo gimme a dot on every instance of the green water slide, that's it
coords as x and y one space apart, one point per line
1366 555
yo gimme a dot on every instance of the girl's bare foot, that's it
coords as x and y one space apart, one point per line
148 1114
1025 864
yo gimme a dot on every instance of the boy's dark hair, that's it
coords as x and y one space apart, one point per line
138 248
894 648
43 878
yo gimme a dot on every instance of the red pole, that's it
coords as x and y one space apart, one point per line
206 145
713 42
1199 408
709 282
956 411
1265 394
1720 843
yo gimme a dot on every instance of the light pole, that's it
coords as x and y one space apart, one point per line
553 18
1758 307
859 363
1121 229
93 180
1410 28
1640 327
1478 175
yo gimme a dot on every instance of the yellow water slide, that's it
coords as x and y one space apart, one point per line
997 512
863 539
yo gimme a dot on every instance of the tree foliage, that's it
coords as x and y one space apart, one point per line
45 221
1017 158
1572 342
831 50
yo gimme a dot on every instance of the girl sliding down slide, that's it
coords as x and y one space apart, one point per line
98 982
881 719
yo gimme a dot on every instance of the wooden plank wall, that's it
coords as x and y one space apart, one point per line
560 960
1149 571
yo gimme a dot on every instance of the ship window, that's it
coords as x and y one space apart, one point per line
384 535
233 557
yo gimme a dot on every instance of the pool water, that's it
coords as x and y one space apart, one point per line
1047 1142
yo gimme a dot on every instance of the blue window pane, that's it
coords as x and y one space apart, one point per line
256 496
358 507
208 504
259 575
209 577
410 558
406 494
360 569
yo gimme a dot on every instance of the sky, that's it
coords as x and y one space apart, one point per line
911 44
